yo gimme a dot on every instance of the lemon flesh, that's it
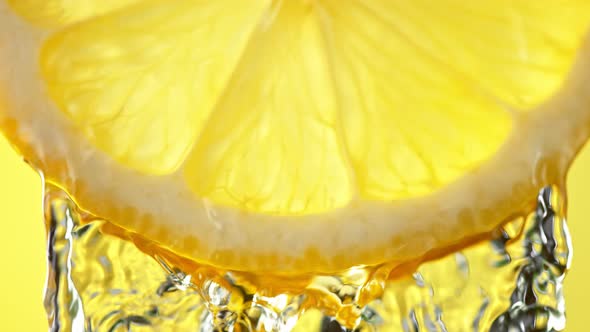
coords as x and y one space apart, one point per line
56 13
299 107
292 118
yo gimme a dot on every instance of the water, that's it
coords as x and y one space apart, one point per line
99 281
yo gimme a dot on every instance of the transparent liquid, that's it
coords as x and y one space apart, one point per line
99 280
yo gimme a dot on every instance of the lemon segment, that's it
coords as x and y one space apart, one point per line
141 82
407 140
273 142
516 52
411 126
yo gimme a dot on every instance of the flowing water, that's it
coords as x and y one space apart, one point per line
98 280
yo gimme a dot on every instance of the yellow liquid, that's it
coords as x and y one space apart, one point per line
22 307
137 271
100 281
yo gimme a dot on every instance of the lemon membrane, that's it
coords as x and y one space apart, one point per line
298 136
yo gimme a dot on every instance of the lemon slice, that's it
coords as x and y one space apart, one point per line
301 135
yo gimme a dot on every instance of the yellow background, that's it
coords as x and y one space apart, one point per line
22 245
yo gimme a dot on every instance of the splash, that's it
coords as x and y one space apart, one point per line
512 282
